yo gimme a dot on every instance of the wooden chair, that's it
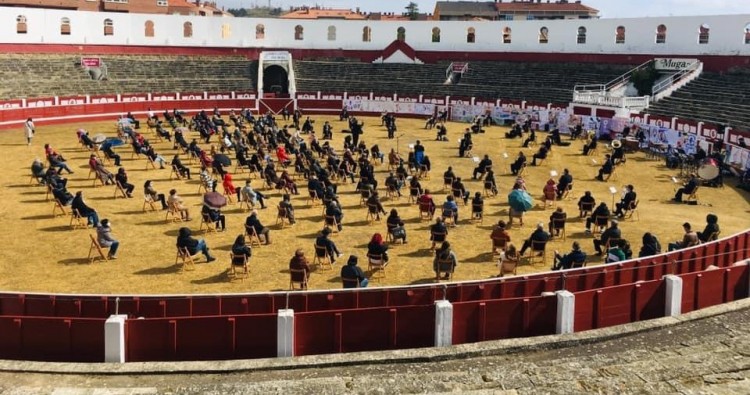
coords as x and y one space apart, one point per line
477 213
632 210
600 223
188 264
322 258
489 191
372 213
312 199
99 180
512 214
693 196
424 212
550 199
376 264
77 221
148 200
448 217
458 195
447 183
208 223
95 246
392 193
119 191
438 237
501 244
558 226
252 236
297 279
414 194
508 265
330 221
150 163
354 282
537 247
714 236
423 174
175 173
282 218
173 213
611 242
229 195
568 194
204 186
612 175
238 267
587 208
444 268
364 195
580 264
58 206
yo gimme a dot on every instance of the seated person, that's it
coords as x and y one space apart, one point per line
376 247
688 188
626 202
615 253
110 153
193 246
214 215
688 240
538 235
106 240
375 206
530 139
150 191
241 250
650 246
591 145
484 165
586 201
177 165
565 181
574 258
438 232
549 192
613 232
711 230
334 210
252 222
445 261
601 211
499 236
459 190
518 164
352 271
398 232
393 183
606 168
557 216
38 171
541 154
489 182
330 247
84 210
176 201
286 205
58 162
299 262
426 202
254 197
63 196
450 209
477 205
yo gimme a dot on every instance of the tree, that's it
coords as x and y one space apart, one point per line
412 10
643 79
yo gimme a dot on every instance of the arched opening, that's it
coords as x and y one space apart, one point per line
187 30
65 26
703 34
543 35
299 33
276 80
436 34
620 35
366 34
581 38
260 31
331 33
471 35
506 35
226 31
401 34
747 33
149 29
109 27
661 34
21 27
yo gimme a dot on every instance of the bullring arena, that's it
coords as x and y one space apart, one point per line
60 305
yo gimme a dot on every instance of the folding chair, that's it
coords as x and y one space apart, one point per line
372 213
208 223
282 217
558 226
458 195
176 173
238 267
447 183
376 264
600 223
148 200
489 190
322 258
252 236
353 281
444 267
95 246
501 244
297 280
414 194
425 211
229 195
330 221
392 193
312 199
477 213
633 209
537 247
58 206
586 209
550 199
119 190
508 266
77 221
173 212
188 264
245 203
150 162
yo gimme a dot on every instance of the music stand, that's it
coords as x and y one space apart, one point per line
613 191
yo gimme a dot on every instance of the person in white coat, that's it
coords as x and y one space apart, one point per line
30 129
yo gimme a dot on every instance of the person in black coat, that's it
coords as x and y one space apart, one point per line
253 222
627 201
84 210
563 183
193 246
352 271
376 247
328 244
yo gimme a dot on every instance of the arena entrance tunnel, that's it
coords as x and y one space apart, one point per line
276 80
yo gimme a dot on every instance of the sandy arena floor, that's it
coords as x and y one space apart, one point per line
43 254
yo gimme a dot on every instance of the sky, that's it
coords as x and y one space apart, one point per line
607 8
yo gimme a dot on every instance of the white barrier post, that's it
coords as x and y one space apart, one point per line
673 300
566 308
285 333
443 323
114 338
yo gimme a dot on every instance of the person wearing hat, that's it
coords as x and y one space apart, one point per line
613 232
105 239
538 235
352 271
576 256
330 247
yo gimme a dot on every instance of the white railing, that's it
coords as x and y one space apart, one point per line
611 85
676 81
603 99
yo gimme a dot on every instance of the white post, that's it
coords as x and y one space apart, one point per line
114 338
443 323
566 308
285 333
673 300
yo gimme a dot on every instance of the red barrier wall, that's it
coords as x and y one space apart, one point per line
503 319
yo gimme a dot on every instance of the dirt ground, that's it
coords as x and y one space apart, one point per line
43 254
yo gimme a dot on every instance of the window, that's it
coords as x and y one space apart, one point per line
65 26
331 33
109 27
747 33
260 31
149 27
162 3
436 34
703 33
366 34
581 38
543 35
661 34
529 17
21 27
506 17
506 35
401 34
471 35
187 30
226 31
299 33
620 35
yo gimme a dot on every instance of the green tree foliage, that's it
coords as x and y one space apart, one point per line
643 79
